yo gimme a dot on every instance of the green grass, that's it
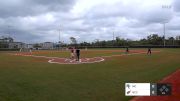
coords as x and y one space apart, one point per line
34 79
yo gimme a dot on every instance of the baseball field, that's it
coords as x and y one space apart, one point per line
49 75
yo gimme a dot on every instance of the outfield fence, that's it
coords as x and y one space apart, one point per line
139 46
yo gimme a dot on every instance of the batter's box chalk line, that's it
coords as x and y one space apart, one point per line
74 61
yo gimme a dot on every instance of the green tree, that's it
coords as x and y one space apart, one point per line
154 39
73 40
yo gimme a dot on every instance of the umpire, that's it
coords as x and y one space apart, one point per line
77 54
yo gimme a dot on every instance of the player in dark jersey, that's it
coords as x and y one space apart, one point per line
77 54
149 51
127 50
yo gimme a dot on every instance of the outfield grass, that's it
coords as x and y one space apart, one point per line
34 79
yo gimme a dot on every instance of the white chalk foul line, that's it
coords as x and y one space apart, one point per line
128 54
36 56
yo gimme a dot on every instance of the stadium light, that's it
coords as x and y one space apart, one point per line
113 38
59 34
164 24
9 32
164 34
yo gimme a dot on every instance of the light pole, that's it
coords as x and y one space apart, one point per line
9 32
59 42
59 34
164 24
164 34
113 38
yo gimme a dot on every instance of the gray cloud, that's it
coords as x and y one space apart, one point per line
40 20
13 8
176 5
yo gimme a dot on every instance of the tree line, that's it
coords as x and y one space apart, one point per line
154 40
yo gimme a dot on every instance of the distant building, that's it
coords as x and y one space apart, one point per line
8 42
13 45
6 39
47 45
30 46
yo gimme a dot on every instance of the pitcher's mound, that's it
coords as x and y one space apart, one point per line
73 61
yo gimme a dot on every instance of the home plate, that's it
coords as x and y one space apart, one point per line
73 61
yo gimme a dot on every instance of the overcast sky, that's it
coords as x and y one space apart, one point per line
34 21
